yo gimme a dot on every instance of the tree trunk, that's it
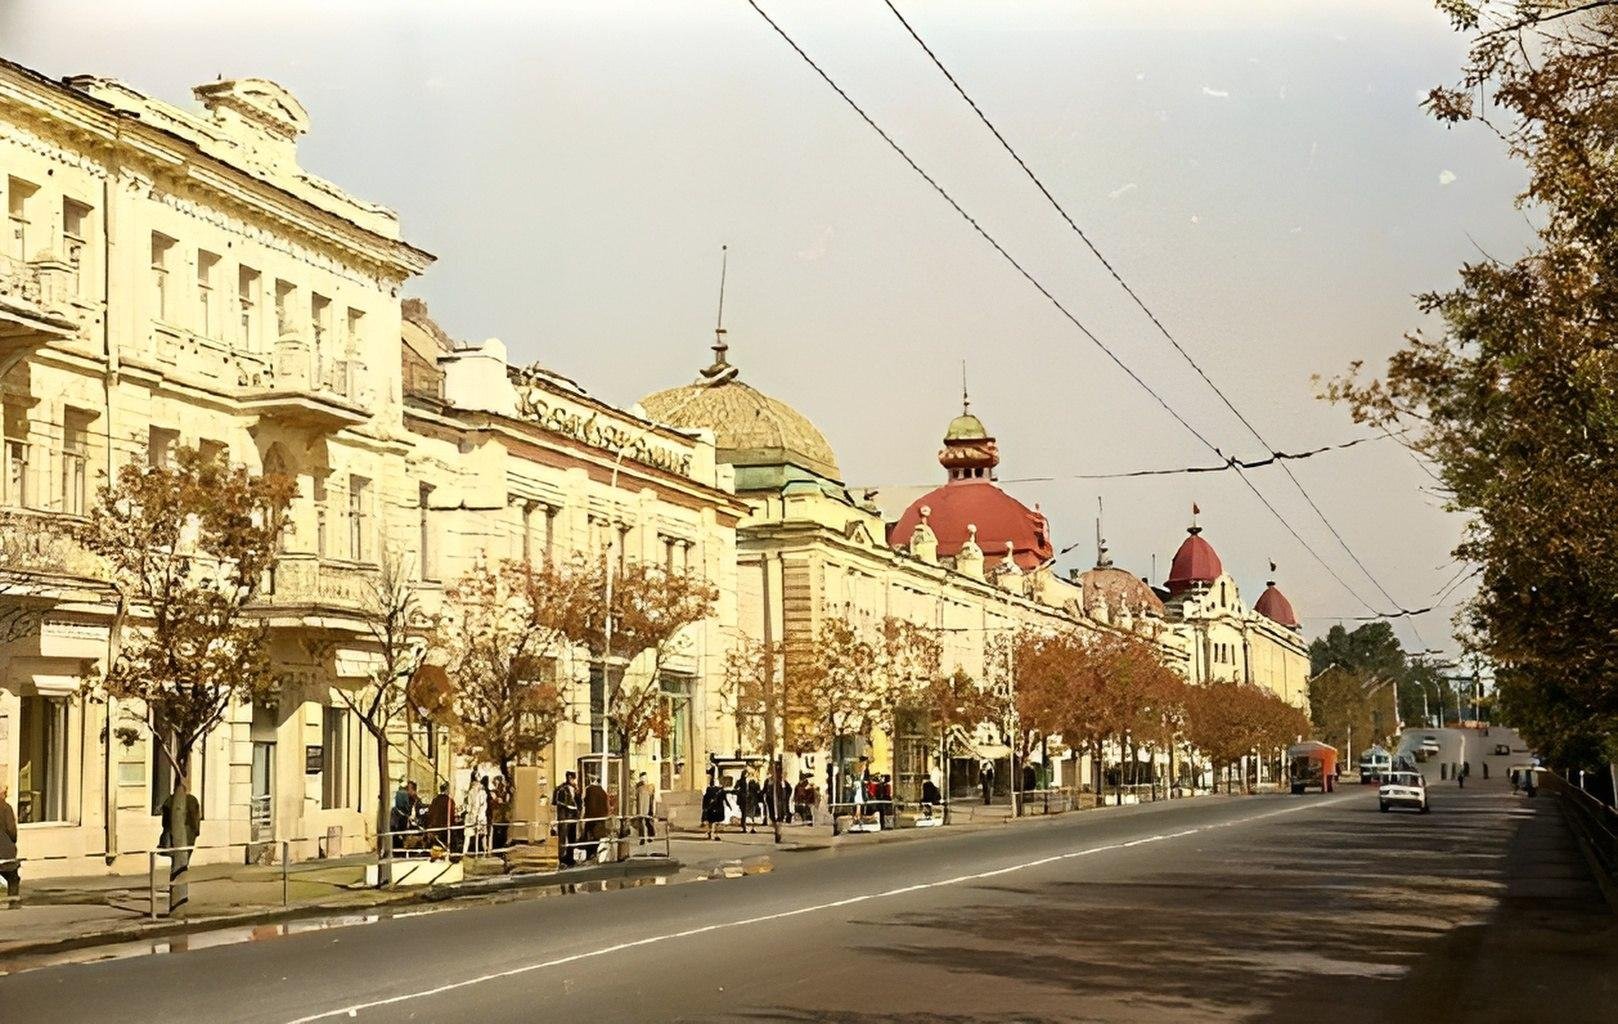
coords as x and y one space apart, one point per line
384 847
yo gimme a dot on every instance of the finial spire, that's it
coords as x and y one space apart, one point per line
1102 561
966 399
721 349
1195 511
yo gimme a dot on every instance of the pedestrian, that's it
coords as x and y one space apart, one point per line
566 802
1485 771
1460 779
441 819
500 812
474 830
744 809
596 810
713 805
645 807
986 781
399 817
755 801
783 799
1516 783
884 802
182 823
10 866
802 804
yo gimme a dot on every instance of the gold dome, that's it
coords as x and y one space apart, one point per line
750 428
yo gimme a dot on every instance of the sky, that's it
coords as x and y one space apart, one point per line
1259 172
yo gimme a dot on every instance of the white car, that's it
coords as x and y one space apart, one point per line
1403 789
1429 745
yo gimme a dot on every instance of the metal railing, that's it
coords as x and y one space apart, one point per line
1596 822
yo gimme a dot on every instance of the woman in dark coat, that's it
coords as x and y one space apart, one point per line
713 806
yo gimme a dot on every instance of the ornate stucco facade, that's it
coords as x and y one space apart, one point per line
172 276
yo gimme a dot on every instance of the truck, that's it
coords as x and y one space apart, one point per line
1312 764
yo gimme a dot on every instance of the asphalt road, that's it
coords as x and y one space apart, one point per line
1259 909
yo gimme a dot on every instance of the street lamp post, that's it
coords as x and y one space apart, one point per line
720 373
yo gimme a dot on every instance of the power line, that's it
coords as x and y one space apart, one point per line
1230 463
899 150
1156 322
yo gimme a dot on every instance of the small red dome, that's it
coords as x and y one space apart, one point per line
998 516
1195 563
1273 605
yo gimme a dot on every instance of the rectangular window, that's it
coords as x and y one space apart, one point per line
354 332
20 233
247 301
334 772
162 288
75 460
359 518
18 476
319 318
283 309
42 760
208 311
75 233
319 490
160 445
429 549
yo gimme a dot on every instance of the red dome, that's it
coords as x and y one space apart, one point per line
1195 563
1273 605
977 502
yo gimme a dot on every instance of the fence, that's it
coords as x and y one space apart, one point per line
1593 820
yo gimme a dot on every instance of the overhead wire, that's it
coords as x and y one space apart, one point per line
1054 301
1135 296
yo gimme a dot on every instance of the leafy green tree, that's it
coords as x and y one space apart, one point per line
1514 401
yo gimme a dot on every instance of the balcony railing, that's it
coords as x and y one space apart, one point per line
35 301
307 581
309 387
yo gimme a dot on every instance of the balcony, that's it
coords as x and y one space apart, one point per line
305 590
308 388
35 305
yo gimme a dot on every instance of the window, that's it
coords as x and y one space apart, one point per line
247 300
75 230
21 236
160 445
283 309
354 332
214 451
162 256
75 460
319 490
17 476
208 311
429 550
319 318
334 773
359 518
42 760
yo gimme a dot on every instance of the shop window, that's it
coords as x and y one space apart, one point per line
42 760
334 773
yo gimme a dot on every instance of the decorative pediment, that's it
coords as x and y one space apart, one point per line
259 102
857 531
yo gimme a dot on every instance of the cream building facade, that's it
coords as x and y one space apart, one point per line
172 276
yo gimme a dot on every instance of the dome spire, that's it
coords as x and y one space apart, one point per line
966 399
721 349
1102 561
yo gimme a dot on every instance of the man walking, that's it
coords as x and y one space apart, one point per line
566 802
986 781
9 865
645 806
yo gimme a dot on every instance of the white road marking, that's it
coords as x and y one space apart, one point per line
357 1008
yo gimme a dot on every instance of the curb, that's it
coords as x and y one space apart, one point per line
168 928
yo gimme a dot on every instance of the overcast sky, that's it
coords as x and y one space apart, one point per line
1259 171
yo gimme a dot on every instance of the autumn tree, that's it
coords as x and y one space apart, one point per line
1511 401
650 610
506 630
186 547
956 701
398 629
752 689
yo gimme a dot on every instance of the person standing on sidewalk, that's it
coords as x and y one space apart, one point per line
475 829
713 805
986 781
566 802
645 807
9 865
182 823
